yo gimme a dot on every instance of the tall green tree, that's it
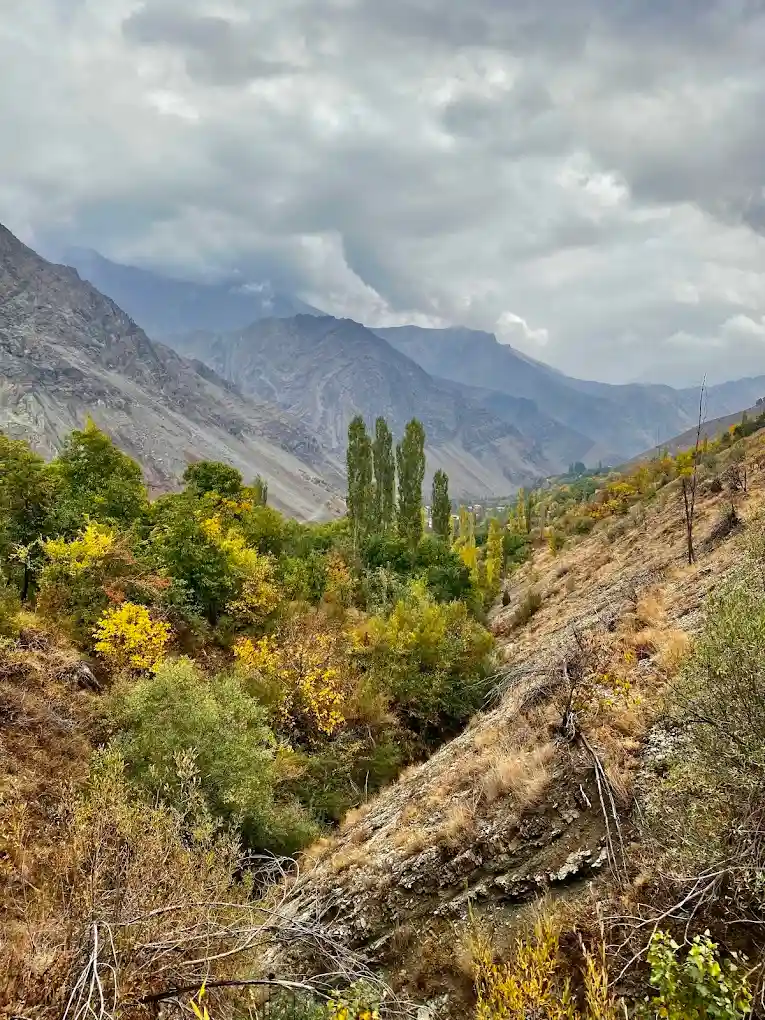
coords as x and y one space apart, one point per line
212 476
385 477
495 555
410 462
359 461
441 507
259 489
27 497
97 480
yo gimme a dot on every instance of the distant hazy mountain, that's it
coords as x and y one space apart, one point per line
325 370
162 305
67 351
621 421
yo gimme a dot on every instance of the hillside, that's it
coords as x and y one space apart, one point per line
596 774
710 429
512 813
163 305
566 793
621 421
324 371
66 352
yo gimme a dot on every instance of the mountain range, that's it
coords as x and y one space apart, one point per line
561 419
67 351
324 371
258 379
620 421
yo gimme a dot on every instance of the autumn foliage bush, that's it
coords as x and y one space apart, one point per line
126 636
152 890
298 667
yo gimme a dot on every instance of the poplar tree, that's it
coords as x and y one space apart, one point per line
385 477
359 461
410 462
441 507
494 556
465 543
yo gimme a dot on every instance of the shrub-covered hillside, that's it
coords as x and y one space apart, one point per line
590 845
501 764
242 681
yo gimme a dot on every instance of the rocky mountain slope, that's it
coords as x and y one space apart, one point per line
621 421
163 305
510 812
325 370
66 352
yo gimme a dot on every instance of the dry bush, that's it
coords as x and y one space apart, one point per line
412 840
523 775
650 611
135 899
355 815
528 607
348 858
488 737
674 647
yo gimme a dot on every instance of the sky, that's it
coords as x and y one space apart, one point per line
585 178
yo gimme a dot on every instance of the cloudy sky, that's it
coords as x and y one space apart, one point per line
583 177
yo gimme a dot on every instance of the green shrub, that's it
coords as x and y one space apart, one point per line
446 576
207 476
304 577
721 691
699 987
515 548
96 480
433 659
179 545
179 711
381 589
707 806
583 525
343 773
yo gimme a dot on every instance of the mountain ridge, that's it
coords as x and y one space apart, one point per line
326 370
67 351
164 305
622 419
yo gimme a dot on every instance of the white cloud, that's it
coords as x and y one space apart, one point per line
583 177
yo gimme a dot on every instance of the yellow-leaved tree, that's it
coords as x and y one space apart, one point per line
127 637
494 558
259 595
74 575
465 544
303 672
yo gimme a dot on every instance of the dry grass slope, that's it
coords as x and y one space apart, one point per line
511 810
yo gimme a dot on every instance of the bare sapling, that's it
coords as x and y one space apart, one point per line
689 482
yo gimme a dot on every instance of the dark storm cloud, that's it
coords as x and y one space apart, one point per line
583 176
